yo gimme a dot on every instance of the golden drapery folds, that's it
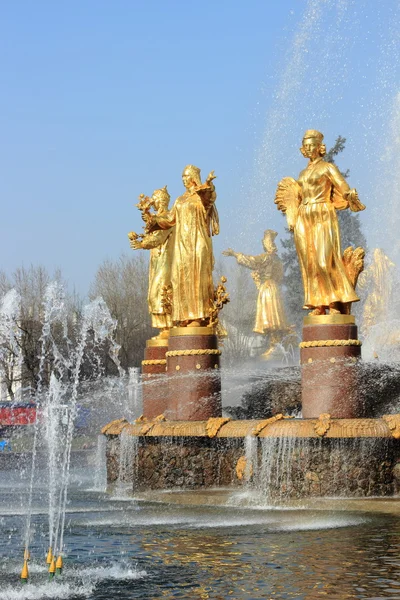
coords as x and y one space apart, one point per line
310 205
160 244
267 272
195 219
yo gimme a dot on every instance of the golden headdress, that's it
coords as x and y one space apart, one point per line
162 194
313 133
195 173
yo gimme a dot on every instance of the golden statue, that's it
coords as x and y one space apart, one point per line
267 272
160 245
377 280
195 219
310 204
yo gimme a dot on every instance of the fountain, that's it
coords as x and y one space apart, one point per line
338 446
56 405
185 449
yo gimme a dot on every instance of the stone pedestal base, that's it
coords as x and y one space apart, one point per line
194 379
154 387
329 354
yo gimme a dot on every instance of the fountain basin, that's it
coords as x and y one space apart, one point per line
281 458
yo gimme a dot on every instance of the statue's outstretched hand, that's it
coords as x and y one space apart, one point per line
228 252
210 177
134 241
354 201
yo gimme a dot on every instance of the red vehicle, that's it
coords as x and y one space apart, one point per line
16 414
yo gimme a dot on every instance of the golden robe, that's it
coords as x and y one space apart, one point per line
193 215
270 314
160 244
317 237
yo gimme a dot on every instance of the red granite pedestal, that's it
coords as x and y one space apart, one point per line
193 368
329 354
154 388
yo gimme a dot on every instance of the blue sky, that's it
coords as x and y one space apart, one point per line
101 101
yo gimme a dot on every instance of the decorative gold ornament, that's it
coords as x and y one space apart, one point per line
310 205
333 319
329 343
157 342
214 424
147 427
166 299
195 352
277 426
161 361
263 424
115 427
160 418
178 331
141 419
323 424
221 297
393 422
242 468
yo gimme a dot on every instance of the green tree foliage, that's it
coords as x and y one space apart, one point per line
351 235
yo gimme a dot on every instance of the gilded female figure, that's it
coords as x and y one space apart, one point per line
195 219
310 205
267 272
160 244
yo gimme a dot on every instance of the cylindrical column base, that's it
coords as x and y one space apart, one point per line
154 381
194 379
329 354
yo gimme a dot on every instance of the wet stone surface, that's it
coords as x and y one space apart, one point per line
179 462
282 468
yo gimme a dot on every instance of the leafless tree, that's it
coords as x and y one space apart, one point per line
20 362
238 315
123 285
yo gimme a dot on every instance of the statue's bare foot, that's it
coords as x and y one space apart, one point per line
318 310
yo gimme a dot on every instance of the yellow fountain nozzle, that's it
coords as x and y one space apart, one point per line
25 572
52 568
59 565
27 554
49 556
